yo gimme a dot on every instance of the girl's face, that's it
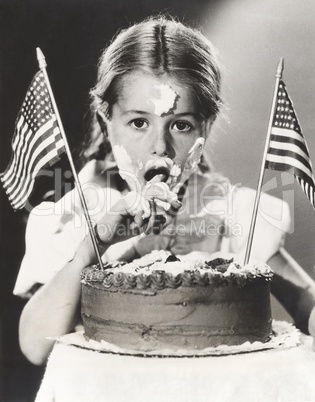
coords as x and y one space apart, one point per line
154 124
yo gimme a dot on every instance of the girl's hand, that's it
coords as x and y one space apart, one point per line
137 213
164 205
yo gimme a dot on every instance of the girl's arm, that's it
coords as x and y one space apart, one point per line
294 289
54 309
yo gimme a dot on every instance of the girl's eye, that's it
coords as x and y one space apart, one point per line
182 126
139 123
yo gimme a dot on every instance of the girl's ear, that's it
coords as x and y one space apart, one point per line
102 120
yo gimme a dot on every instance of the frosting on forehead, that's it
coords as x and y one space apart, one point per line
164 100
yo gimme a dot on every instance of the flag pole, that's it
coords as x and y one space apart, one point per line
262 169
42 65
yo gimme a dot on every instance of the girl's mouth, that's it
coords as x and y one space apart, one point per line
162 172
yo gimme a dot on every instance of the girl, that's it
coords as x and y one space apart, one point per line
155 100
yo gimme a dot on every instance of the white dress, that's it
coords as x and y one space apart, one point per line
215 217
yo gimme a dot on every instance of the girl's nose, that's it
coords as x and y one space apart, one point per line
161 145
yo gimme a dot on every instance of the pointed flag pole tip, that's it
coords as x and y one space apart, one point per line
280 68
40 58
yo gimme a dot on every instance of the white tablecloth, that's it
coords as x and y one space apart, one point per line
74 374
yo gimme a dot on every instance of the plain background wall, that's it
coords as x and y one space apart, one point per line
251 36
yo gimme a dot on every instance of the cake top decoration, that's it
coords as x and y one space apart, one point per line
160 269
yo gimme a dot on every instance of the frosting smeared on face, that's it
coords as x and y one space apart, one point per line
164 101
122 158
128 169
175 171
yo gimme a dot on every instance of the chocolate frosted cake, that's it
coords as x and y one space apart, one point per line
176 302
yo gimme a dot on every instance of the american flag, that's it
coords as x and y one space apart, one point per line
36 144
288 150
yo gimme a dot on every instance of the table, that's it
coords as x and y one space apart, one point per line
81 375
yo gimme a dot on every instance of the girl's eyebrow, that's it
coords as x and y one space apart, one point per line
126 112
195 115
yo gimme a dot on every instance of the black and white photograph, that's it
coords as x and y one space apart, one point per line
157 200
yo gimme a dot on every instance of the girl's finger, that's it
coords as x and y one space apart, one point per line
161 191
159 223
157 220
150 223
133 204
138 218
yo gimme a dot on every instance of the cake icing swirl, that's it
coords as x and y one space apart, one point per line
160 269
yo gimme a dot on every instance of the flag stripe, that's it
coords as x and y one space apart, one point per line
288 140
282 167
39 152
34 150
308 188
18 137
19 151
33 142
28 185
275 150
284 132
36 143
289 161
